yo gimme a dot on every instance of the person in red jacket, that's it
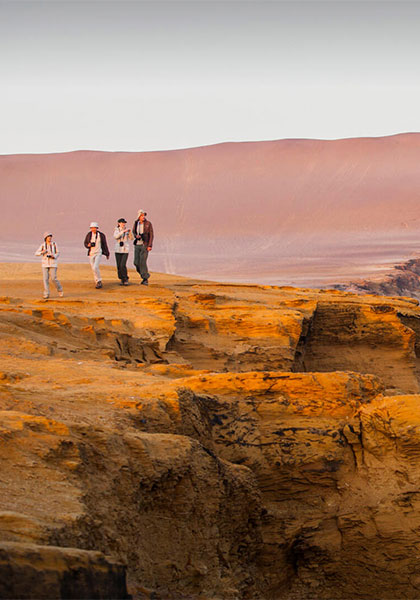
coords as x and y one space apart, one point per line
143 242
96 244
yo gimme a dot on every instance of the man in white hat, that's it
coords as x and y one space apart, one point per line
95 242
143 242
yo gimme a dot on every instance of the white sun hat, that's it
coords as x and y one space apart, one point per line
94 224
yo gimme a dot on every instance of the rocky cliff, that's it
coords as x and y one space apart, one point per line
214 441
401 280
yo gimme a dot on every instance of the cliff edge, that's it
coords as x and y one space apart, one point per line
207 440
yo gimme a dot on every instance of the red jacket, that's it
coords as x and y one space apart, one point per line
147 236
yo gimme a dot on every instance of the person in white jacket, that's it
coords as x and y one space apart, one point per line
49 252
122 236
96 244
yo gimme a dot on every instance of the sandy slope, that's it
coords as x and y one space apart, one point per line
289 211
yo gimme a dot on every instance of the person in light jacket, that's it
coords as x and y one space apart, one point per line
49 252
143 242
122 236
96 244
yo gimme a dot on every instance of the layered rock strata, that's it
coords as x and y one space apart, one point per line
47 572
402 279
220 441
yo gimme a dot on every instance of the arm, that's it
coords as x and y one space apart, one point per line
134 230
118 233
104 244
86 242
40 251
56 254
151 237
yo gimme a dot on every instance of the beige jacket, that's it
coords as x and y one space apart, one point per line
122 237
49 253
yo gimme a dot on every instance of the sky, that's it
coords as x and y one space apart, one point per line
145 76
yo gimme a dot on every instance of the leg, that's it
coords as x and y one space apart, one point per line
118 257
55 280
143 263
94 263
123 267
98 277
137 250
46 276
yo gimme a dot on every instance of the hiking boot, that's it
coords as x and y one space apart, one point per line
45 296
98 285
144 282
125 282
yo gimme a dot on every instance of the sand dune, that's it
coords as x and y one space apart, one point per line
289 211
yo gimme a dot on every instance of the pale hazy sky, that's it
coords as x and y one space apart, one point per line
116 75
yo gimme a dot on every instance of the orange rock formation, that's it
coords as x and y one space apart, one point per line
221 441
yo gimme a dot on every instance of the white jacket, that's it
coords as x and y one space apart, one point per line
51 250
120 236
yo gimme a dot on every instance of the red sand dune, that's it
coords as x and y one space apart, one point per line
288 211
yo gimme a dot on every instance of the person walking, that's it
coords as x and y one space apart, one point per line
122 236
96 244
49 252
143 242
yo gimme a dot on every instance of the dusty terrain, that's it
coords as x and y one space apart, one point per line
286 212
217 440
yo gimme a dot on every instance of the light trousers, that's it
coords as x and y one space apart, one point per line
46 273
95 259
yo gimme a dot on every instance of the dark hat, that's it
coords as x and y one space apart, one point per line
121 221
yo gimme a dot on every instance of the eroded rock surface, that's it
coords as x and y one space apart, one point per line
220 441
47 572
402 279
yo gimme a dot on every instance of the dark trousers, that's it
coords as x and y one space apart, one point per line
140 261
121 260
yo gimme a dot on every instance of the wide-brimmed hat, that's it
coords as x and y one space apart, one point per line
46 234
94 224
141 212
121 221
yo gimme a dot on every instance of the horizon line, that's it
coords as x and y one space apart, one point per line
224 143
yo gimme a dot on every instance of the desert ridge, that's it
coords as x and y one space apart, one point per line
204 439
298 212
